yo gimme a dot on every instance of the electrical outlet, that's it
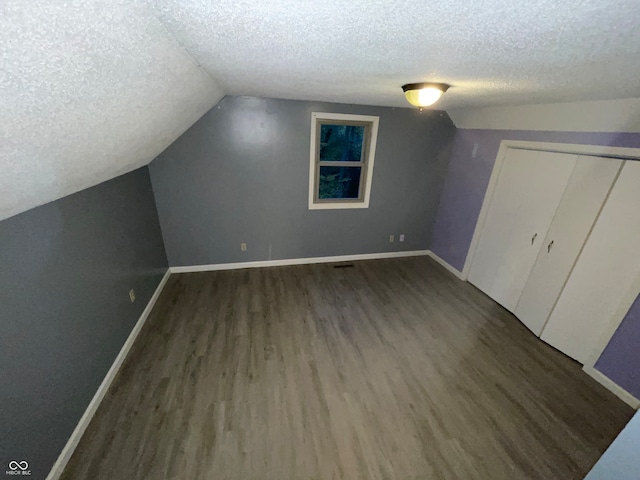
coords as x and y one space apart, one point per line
391 238
132 295
401 237
243 247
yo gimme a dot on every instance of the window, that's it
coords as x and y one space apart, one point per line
341 167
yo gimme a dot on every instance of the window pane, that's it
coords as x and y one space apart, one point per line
341 143
339 182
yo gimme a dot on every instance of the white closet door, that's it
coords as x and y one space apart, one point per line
605 274
590 182
526 197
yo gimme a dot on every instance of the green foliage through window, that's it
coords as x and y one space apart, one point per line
339 182
341 143
342 152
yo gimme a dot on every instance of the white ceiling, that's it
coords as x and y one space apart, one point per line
493 52
90 89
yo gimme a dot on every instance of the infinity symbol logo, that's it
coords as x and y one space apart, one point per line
13 465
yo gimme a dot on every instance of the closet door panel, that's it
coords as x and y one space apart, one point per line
498 224
604 275
526 198
588 187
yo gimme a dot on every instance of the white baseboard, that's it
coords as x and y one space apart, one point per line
296 261
446 265
75 437
613 387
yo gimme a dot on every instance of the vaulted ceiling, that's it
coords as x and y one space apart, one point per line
90 89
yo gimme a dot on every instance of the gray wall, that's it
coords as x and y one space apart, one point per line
241 174
65 272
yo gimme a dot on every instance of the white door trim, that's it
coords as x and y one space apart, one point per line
484 211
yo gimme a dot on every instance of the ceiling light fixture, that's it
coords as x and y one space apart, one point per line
424 94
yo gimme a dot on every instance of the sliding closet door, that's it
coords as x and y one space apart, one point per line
590 183
605 275
526 197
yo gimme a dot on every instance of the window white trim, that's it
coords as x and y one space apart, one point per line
315 116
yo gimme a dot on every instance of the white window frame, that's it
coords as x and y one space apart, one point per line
314 149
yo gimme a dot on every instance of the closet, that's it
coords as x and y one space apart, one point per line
524 202
606 279
534 253
584 196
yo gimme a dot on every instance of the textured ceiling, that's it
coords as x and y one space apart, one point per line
493 52
88 90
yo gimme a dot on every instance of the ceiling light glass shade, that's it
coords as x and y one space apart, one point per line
424 94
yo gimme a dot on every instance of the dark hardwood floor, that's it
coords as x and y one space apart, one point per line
390 369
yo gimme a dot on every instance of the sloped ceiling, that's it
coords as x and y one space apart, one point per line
92 89
88 90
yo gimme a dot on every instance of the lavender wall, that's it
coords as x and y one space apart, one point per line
621 360
464 189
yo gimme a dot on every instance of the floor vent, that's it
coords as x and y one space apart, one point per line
346 265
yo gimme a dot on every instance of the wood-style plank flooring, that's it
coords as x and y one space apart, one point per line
390 369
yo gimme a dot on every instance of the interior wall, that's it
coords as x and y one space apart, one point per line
472 158
241 174
66 269
621 460
621 115
621 359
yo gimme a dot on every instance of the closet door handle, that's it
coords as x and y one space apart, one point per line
533 239
549 246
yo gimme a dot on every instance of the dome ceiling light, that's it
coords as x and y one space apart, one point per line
424 94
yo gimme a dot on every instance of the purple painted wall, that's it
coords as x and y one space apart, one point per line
464 189
621 360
